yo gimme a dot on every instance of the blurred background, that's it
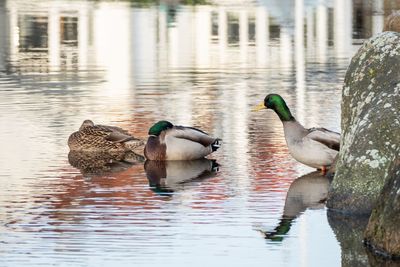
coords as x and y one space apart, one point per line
199 63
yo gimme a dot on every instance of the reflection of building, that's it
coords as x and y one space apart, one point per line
168 36
42 37
3 35
64 34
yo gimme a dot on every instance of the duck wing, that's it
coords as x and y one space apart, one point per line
327 137
192 134
119 137
113 128
112 134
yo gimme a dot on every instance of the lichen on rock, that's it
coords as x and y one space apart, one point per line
370 125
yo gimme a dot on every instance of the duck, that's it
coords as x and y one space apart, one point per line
314 147
169 142
98 138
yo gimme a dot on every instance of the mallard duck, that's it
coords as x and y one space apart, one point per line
315 147
169 142
95 138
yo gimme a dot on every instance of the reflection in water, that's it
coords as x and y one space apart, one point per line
33 30
131 65
76 34
307 191
100 163
349 231
170 176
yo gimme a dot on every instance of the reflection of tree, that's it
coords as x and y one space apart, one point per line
307 191
76 200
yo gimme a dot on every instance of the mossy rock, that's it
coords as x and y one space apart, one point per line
383 232
370 125
349 231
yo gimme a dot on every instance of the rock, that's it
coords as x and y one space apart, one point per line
349 232
383 233
392 23
377 261
370 125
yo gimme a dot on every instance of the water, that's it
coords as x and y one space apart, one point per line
129 65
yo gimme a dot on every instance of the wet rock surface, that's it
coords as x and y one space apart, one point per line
349 232
383 232
370 125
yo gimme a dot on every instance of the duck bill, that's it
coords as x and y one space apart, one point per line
259 107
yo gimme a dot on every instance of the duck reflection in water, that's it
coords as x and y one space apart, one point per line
100 163
166 177
307 191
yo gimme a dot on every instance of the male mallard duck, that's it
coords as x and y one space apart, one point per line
169 142
95 138
315 147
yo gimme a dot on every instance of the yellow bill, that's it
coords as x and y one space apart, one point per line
259 107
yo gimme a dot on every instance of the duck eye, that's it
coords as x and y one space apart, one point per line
268 103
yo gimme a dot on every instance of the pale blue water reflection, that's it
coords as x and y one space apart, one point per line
130 65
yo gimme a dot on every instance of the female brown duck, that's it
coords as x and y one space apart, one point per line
95 138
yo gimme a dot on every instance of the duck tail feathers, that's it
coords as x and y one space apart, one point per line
216 144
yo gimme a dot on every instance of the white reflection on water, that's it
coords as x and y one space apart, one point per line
127 65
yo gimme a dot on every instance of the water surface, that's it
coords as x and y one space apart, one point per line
130 65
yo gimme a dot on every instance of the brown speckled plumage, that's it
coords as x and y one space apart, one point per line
92 137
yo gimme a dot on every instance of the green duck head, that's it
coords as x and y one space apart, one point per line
160 126
276 103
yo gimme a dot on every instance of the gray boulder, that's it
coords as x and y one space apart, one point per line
383 233
370 125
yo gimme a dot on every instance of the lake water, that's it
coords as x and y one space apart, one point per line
130 65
